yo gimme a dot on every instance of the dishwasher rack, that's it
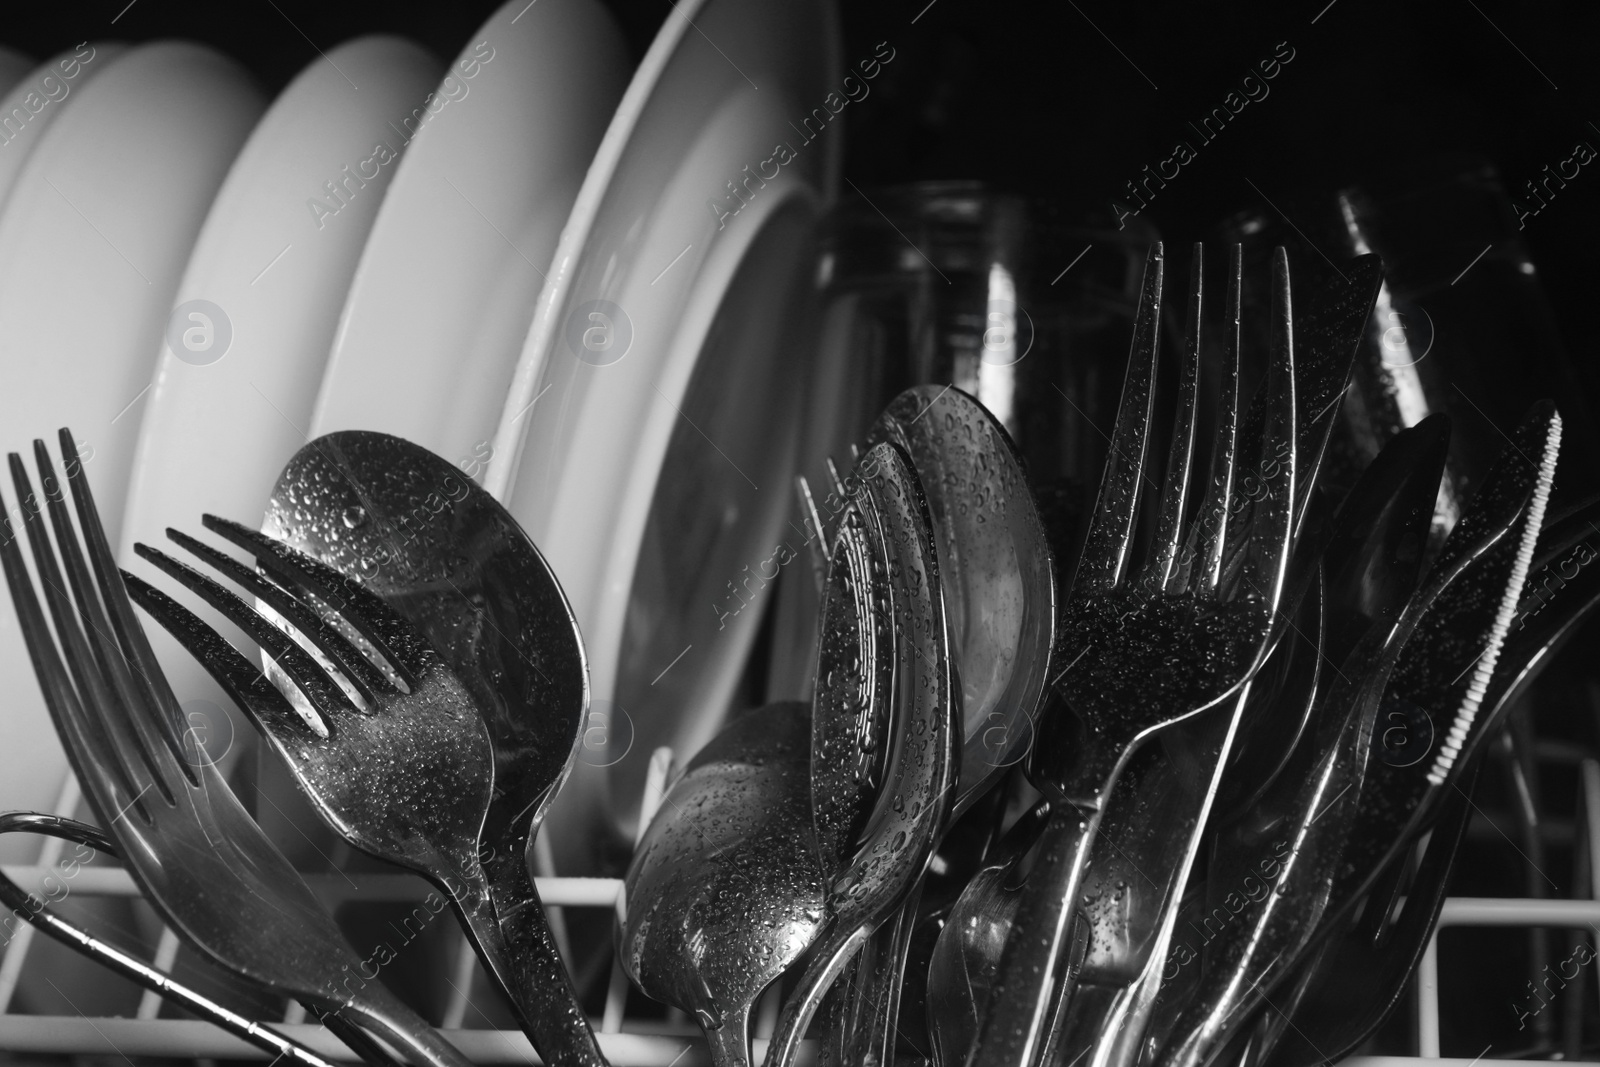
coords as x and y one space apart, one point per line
654 1043
672 1043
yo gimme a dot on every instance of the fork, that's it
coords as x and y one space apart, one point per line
1141 652
1336 1013
190 845
409 779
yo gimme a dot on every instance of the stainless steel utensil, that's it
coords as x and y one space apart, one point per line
995 569
452 776
35 910
1470 589
1336 1012
725 891
884 658
998 578
1141 652
1150 835
1373 556
191 847
965 959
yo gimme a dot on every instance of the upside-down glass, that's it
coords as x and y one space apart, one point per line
1010 299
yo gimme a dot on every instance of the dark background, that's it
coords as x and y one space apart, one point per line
1071 100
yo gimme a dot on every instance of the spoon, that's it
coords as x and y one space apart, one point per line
725 890
962 968
443 553
883 661
997 574
995 568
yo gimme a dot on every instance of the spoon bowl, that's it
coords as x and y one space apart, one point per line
995 567
726 888
426 539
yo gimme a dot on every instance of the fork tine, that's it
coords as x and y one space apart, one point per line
162 723
355 666
240 678
834 476
94 758
1213 519
92 654
1105 549
1175 491
390 633
1267 552
314 682
810 515
137 654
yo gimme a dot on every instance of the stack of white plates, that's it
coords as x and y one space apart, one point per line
592 294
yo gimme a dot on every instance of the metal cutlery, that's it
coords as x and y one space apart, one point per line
1131 914
191 847
1383 524
995 570
1481 555
449 776
967 953
35 910
725 891
998 580
1141 652
883 657
1334 1014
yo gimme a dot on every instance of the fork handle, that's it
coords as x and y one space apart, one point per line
114 959
1034 961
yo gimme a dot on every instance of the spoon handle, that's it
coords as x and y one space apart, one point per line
387 1016
1034 959
869 1035
829 957
537 978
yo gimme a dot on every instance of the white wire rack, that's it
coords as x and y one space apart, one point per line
625 1043
631 1043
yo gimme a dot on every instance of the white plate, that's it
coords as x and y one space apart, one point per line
603 389
13 66
447 285
93 240
37 95
267 279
